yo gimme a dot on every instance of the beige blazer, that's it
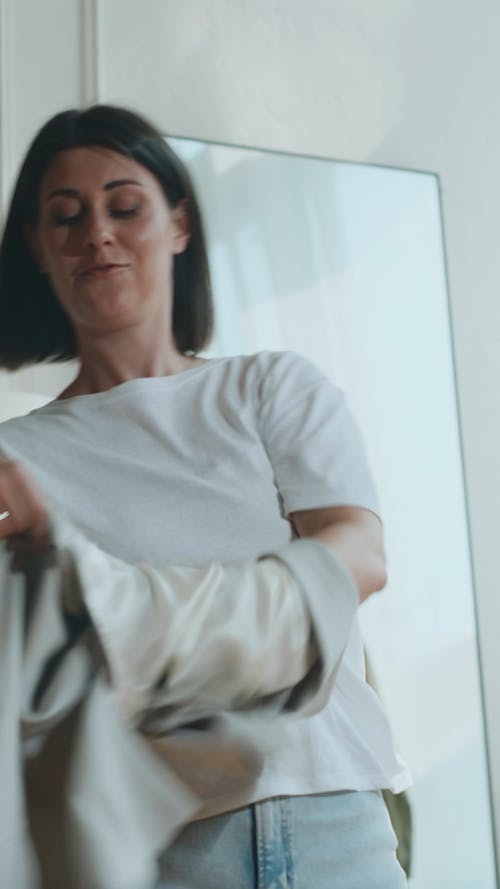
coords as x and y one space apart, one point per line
92 785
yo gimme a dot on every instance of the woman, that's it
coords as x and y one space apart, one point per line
162 456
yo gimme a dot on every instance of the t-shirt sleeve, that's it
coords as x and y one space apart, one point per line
312 440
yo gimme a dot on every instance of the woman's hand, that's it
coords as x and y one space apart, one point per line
22 507
355 535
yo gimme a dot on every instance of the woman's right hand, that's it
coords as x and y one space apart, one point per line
22 507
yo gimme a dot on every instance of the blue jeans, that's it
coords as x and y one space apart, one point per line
328 841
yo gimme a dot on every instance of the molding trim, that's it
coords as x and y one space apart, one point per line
90 56
5 104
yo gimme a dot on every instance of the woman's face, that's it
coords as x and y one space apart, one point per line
106 237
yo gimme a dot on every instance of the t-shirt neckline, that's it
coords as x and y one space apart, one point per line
127 385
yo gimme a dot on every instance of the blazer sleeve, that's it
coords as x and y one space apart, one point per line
194 641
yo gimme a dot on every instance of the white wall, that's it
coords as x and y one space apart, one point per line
397 82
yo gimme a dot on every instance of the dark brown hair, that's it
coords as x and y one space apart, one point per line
33 326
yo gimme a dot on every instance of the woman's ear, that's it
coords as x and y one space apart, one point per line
182 225
32 240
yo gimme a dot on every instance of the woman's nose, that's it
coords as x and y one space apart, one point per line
98 230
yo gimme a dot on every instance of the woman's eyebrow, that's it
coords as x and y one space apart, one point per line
116 182
66 192
74 193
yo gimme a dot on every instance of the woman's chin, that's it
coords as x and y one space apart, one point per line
107 312
107 297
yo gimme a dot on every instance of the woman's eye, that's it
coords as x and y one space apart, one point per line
61 219
122 212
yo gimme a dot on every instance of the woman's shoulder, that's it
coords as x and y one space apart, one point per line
15 432
271 360
276 381
268 367
28 426
288 370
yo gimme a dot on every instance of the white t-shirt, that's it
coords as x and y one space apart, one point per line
205 465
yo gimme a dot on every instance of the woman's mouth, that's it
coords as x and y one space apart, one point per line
102 271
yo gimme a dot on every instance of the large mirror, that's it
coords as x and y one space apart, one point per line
345 263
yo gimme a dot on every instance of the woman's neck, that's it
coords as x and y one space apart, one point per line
105 364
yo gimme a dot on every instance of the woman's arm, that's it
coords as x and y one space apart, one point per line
355 535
